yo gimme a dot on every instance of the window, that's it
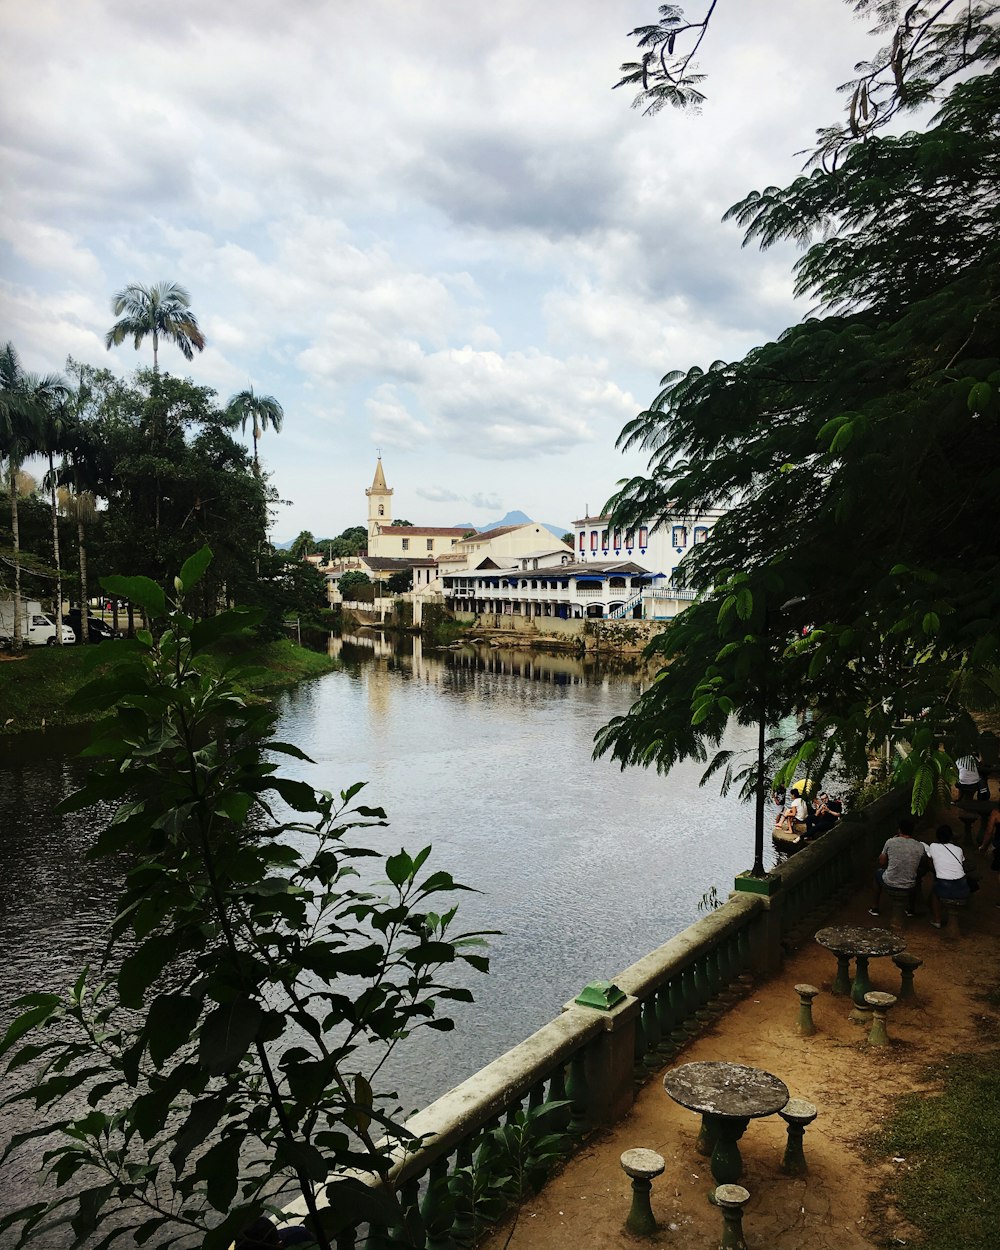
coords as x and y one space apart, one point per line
406 544
630 539
700 533
583 540
381 510
618 538
643 536
430 544
679 536
593 540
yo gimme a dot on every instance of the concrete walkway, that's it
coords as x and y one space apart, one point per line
837 1204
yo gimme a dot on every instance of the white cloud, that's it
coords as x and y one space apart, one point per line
478 256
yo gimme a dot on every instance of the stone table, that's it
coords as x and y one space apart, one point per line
728 1096
860 943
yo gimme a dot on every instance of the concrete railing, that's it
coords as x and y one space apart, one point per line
579 1072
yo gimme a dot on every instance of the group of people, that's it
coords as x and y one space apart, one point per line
905 861
805 819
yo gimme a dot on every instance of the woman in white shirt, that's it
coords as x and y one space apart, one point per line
948 861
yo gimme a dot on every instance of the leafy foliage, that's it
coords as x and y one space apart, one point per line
352 581
258 975
928 45
857 570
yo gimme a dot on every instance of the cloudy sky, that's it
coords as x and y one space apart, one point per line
425 226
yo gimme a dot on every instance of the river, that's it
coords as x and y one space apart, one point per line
485 754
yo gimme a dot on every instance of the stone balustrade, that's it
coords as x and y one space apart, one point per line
539 1100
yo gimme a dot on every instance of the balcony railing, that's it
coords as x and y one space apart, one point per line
578 1073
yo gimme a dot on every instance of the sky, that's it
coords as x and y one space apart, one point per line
427 227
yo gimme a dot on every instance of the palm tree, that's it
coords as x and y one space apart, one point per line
55 431
261 411
23 399
163 311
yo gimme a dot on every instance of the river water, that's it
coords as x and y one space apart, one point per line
483 753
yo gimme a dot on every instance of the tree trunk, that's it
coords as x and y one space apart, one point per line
82 551
84 600
55 551
130 610
16 535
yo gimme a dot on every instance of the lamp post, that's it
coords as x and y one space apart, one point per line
758 839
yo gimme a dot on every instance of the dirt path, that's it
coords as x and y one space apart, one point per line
835 1206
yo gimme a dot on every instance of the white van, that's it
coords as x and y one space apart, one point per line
37 629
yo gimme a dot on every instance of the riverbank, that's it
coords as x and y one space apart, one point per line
36 686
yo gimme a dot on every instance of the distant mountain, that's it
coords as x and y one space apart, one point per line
520 518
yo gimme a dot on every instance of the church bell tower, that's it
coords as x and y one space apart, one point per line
379 507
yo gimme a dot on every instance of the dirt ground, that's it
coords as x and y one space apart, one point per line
838 1204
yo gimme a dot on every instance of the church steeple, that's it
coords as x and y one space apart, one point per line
379 507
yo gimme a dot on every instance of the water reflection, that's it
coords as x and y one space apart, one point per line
483 752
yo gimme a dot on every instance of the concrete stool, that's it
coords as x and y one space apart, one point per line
880 1004
900 902
907 965
953 909
731 1199
796 1113
642 1166
806 995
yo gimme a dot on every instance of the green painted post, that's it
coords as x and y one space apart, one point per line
559 1118
436 1209
691 1023
678 1035
651 1033
664 1020
462 1188
576 1089
409 1200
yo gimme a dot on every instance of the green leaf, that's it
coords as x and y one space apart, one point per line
219 1168
41 1011
141 968
223 625
194 567
303 1158
227 1034
170 1022
399 868
980 396
931 623
142 591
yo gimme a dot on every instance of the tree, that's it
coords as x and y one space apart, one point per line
857 572
302 545
399 583
352 581
55 433
261 411
24 399
929 43
262 969
352 541
568 539
162 310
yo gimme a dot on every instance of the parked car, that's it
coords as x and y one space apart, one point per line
98 630
37 628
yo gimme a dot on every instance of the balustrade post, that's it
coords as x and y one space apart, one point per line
609 1060
579 1100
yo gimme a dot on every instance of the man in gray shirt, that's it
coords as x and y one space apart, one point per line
900 864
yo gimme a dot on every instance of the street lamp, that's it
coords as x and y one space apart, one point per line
758 869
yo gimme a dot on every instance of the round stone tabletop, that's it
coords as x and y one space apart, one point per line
728 1089
854 940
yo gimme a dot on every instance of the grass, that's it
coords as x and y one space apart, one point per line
951 1144
35 689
